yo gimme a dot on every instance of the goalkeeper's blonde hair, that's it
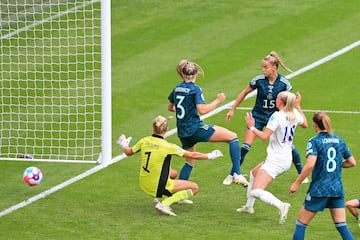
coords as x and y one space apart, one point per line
160 125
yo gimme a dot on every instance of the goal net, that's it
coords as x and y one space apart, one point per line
51 87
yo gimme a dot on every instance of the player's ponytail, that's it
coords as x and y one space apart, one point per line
274 59
323 122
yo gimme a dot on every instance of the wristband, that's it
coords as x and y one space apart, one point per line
252 128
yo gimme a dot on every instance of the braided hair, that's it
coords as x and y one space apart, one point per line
188 70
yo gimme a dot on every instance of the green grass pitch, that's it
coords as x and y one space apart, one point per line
228 39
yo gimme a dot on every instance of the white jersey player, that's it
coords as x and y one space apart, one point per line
280 129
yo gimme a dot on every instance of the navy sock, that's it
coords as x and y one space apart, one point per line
245 148
299 233
296 159
344 231
186 171
234 149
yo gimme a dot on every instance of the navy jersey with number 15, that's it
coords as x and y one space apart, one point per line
265 104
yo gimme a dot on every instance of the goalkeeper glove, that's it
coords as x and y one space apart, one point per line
214 154
123 141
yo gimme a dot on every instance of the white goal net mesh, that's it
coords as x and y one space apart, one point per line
50 66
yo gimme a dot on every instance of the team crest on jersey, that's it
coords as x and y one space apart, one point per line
270 88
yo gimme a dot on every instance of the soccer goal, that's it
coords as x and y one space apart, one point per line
55 66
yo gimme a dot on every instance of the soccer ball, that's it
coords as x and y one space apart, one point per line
32 176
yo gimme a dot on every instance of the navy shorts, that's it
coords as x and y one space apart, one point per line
259 123
202 134
317 204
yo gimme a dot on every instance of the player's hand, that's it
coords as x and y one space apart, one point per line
123 141
250 121
220 97
294 187
214 154
229 115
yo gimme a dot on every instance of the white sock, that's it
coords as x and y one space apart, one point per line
250 199
267 197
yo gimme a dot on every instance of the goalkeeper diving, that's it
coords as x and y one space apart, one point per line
156 177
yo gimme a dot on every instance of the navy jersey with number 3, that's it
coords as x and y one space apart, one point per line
185 96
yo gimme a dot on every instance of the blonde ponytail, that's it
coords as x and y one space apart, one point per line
274 59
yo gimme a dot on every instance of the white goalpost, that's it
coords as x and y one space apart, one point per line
55 80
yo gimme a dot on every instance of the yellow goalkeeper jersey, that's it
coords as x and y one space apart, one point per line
156 152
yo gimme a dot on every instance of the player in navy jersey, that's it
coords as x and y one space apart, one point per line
326 155
187 100
268 85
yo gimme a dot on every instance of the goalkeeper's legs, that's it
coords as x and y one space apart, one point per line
183 190
178 196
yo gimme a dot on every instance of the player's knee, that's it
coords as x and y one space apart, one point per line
350 204
255 192
234 136
173 173
195 188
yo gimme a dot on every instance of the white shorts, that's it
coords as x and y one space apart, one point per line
275 168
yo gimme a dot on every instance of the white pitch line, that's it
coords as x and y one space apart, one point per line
172 131
310 110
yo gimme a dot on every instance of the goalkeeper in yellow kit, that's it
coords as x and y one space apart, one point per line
156 176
